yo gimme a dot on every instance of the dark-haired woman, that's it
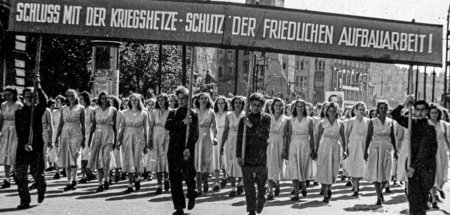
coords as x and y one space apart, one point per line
228 148
206 139
8 135
378 151
277 139
101 139
72 132
133 138
299 148
220 110
328 149
159 141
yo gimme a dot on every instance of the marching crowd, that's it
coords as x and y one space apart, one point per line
112 139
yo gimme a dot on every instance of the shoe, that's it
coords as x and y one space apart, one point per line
57 176
106 185
32 187
178 212
252 213
23 206
270 197
166 185
240 190
123 176
379 202
41 194
321 191
388 190
129 190
329 194
99 189
158 191
304 193
326 200
117 176
68 187
6 184
349 184
382 198
63 173
308 182
83 181
145 175
191 203
295 198
435 205
232 194
223 184
110 181
355 194
442 194
316 183
74 185
137 185
259 207
91 177
277 190
292 192
216 188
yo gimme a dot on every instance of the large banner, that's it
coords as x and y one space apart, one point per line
234 26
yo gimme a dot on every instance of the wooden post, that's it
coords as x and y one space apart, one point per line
247 107
191 78
183 65
236 71
417 83
434 82
425 83
410 78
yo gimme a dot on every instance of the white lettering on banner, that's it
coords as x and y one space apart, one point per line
71 15
298 31
95 16
204 23
243 26
143 19
41 13
378 39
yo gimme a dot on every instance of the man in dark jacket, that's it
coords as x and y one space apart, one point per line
253 159
33 157
181 155
422 169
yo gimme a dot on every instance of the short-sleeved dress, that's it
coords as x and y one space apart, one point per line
160 141
219 161
329 153
300 163
88 117
233 168
356 146
71 136
405 150
8 140
204 146
102 138
441 156
47 126
379 163
53 153
275 148
116 154
133 139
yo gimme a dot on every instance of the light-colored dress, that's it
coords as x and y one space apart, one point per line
116 154
299 165
71 136
160 141
356 146
441 156
204 146
329 153
219 161
233 168
133 139
53 153
379 163
47 127
8 140
102 138
275 148
88 118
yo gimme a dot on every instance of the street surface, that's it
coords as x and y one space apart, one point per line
84 200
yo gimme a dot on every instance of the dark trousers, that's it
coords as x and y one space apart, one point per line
36 170
418 189
252 175
180 170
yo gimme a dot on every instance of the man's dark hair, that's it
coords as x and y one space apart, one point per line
422 102
257 97
334 95
50 102
181 90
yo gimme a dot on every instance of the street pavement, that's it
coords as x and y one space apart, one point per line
84 200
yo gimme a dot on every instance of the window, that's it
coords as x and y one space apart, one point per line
301 65
296 65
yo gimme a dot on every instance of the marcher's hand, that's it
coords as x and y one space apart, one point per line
248 123
186 154
366 156
410 172
215 141
187 120
240 161
408 100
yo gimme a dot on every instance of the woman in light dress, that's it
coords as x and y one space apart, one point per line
72 132
328 149
378 151
206 140
56 116
133 139
277 139
220 110
149 159
159 141
356 134
47 133
8 136
228 147
85 100
116 154
102 139
435 115
299 148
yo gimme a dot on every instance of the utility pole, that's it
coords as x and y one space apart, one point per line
444 102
